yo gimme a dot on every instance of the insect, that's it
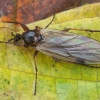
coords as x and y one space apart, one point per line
60 45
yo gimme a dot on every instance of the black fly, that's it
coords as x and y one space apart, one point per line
60 45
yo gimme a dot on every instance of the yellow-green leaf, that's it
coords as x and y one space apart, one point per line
56 81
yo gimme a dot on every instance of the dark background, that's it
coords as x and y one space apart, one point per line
27 11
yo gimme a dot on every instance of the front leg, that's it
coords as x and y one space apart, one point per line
25 28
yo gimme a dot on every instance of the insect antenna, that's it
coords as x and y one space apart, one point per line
51 21
10 43
5 42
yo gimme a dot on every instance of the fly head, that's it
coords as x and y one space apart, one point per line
27 38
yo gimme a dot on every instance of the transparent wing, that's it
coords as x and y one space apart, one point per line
70 47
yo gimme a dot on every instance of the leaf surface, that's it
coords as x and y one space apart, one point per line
56 81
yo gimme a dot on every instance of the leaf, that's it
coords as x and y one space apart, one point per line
56 81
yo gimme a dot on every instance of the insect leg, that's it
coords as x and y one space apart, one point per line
12 34
7 41
10 40
36 52
51 21
56 59
25 28
82 30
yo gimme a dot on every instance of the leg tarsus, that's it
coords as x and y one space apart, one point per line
36 52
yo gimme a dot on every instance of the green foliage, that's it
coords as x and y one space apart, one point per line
56 81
